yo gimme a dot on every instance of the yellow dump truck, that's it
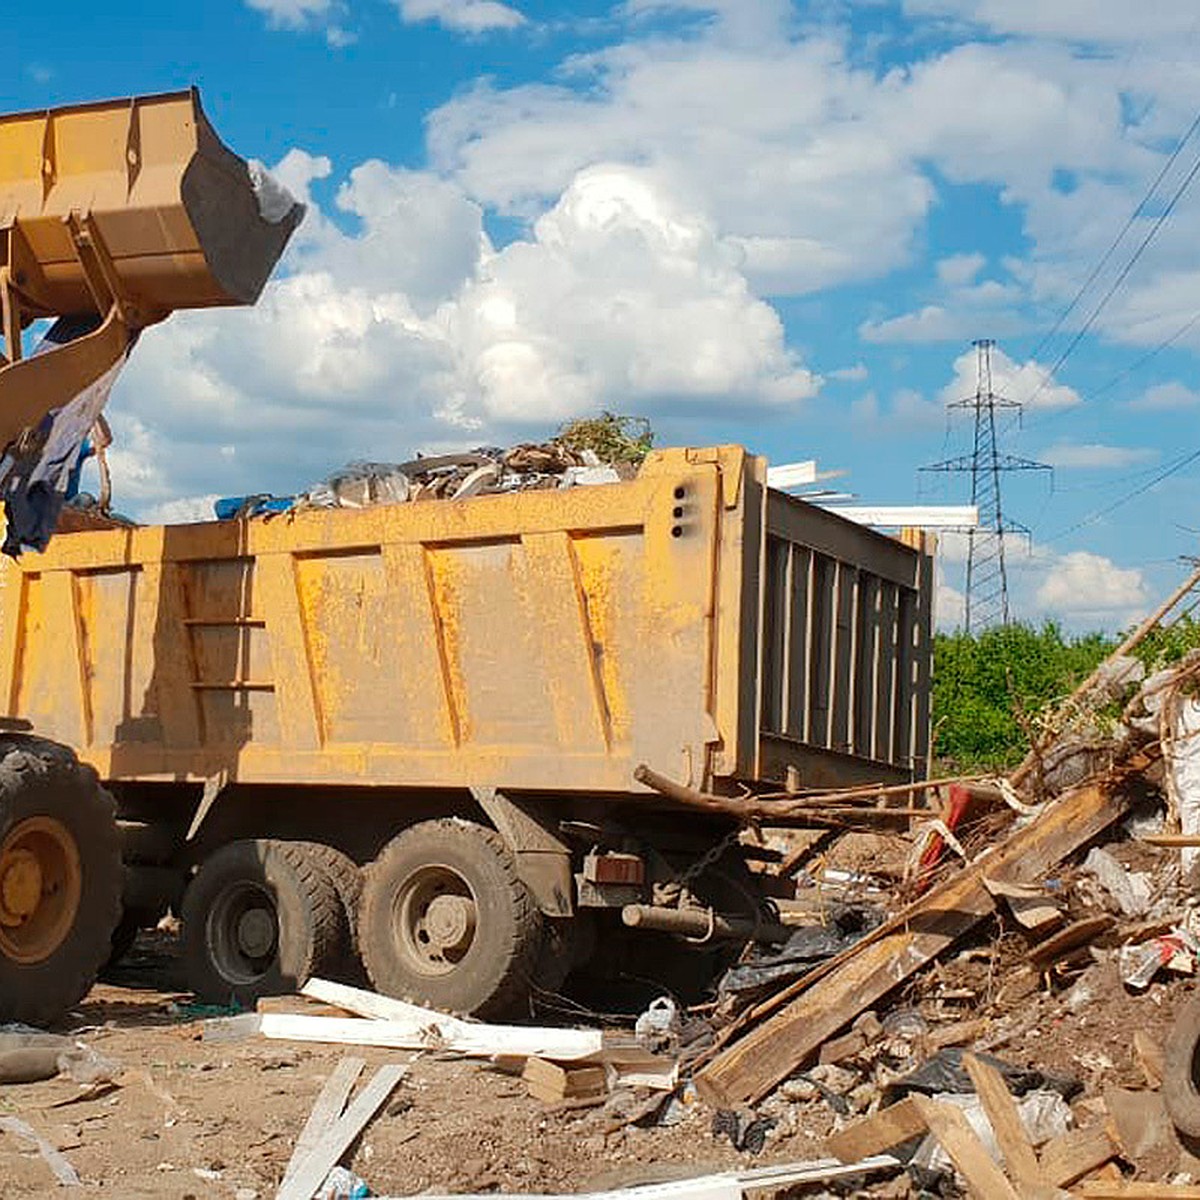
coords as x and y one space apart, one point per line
112 215
456 695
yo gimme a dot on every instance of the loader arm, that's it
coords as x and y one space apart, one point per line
121 211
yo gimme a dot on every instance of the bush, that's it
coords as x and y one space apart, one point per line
983 683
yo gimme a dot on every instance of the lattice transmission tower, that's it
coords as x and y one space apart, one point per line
986 601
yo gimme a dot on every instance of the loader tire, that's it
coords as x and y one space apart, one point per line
1181 1070
446 921
60 879
259 919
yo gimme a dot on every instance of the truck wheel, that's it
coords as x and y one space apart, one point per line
1181 1071
344 873
60 879
259 919
446 921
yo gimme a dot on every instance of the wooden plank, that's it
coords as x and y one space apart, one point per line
810 1011
881 1131
726 1186
1150 1058
326 1111
1005 1119
1140 1191
967 1152
798 643
62 1169
1070 1156
311 1173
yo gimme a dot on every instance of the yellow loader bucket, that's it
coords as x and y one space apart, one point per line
111 216
173 216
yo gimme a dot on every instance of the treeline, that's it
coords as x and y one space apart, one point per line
990 689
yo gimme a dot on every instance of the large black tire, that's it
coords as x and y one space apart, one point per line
259 919
53 808
446 921
345 875
1181 1070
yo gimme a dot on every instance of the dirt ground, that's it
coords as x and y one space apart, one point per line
220 1120
198 1119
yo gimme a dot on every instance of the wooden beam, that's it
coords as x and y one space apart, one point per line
1005 1119
899 1122
326 1111
952 1129
339 1137
1070 1156
832 995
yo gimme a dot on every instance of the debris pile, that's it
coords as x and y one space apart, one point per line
606 449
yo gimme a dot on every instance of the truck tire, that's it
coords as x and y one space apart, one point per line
1181 1070
446 921
60 879
344 873
259 919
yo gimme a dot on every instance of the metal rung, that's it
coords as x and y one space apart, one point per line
225 622
235 685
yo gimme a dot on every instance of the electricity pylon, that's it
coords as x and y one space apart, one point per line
986 600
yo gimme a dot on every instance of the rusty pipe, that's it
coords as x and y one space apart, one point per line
702 924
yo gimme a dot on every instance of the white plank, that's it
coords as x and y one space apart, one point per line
325 1112
727 1186
906 516
63 1171
453 1033
311 1173
472 1041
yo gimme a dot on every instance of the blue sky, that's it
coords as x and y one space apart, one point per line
775 223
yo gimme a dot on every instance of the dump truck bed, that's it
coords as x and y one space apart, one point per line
691 619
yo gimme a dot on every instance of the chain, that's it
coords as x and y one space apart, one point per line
708 858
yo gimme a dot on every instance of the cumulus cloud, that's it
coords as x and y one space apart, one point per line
1095 456
415 331
1171 396
1028 383
960 269
1104 21
462 16
1082 584
307 14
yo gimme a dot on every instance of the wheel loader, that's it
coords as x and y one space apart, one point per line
112 216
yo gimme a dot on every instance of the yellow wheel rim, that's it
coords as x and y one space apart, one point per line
40 888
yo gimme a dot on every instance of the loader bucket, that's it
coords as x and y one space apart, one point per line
172 218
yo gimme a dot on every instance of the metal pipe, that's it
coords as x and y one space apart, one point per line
702 924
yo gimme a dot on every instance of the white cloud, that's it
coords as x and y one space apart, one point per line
1095 456
416 332
1028 383
960 269
307 14
854 374
1171 396
462 16
1111 21
1081 584
293 14
949 607
184 511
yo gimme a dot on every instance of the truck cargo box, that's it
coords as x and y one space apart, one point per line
691 619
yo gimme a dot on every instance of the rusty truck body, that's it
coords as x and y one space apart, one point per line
456 695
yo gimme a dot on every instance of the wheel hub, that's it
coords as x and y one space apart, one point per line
450 922
20 886
41 886
256 933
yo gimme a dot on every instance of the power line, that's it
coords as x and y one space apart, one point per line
1129 223
1093 517
1122 275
